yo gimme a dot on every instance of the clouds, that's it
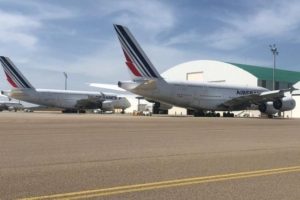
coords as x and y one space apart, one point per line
17 29
78 37
104 58
270 20
280 20
23 24
20 23
147 15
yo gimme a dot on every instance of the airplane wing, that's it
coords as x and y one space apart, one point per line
107 86
121 91
3 95
248 100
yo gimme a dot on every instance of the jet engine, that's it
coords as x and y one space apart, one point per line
284 104
267 108
107 106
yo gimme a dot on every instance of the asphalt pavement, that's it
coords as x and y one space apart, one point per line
80 156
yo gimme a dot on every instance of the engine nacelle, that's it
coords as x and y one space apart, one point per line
267 108
107 106
284 104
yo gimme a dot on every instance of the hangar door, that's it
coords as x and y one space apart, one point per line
194 76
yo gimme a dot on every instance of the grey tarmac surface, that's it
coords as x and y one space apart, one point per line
52 153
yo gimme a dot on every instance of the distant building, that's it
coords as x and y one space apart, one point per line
233 73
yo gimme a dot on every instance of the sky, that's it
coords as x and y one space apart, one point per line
49 37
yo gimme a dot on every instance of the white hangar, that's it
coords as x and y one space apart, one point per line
232 73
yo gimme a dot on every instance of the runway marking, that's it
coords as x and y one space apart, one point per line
165 184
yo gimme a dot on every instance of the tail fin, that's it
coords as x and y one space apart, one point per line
13 75
136 59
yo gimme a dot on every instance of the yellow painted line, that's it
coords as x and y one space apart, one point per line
165 184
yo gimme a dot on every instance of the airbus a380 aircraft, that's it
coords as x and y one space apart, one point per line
9 105
66 99
200 97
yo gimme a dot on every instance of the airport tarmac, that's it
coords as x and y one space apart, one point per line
80 156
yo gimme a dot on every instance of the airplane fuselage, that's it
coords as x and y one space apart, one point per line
66 99
197 96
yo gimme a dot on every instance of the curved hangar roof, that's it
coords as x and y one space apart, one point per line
231 73
209 70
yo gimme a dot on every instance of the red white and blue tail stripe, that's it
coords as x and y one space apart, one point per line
13 75
136 59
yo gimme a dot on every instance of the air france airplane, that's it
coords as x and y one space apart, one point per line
9 105
68 100
200 97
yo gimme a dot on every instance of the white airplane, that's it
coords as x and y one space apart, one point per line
9 105
200 97
69 100
157 107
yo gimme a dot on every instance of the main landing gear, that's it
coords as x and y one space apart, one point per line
228 114
201 113
73 111
206 114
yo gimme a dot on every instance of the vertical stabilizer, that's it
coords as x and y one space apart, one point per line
136 60
15 78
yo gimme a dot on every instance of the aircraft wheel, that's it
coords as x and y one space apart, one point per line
199 114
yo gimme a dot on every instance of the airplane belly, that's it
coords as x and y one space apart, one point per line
66 103
69 101
57 100
206 99
206 104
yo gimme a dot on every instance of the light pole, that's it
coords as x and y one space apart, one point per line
275 52
66 79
